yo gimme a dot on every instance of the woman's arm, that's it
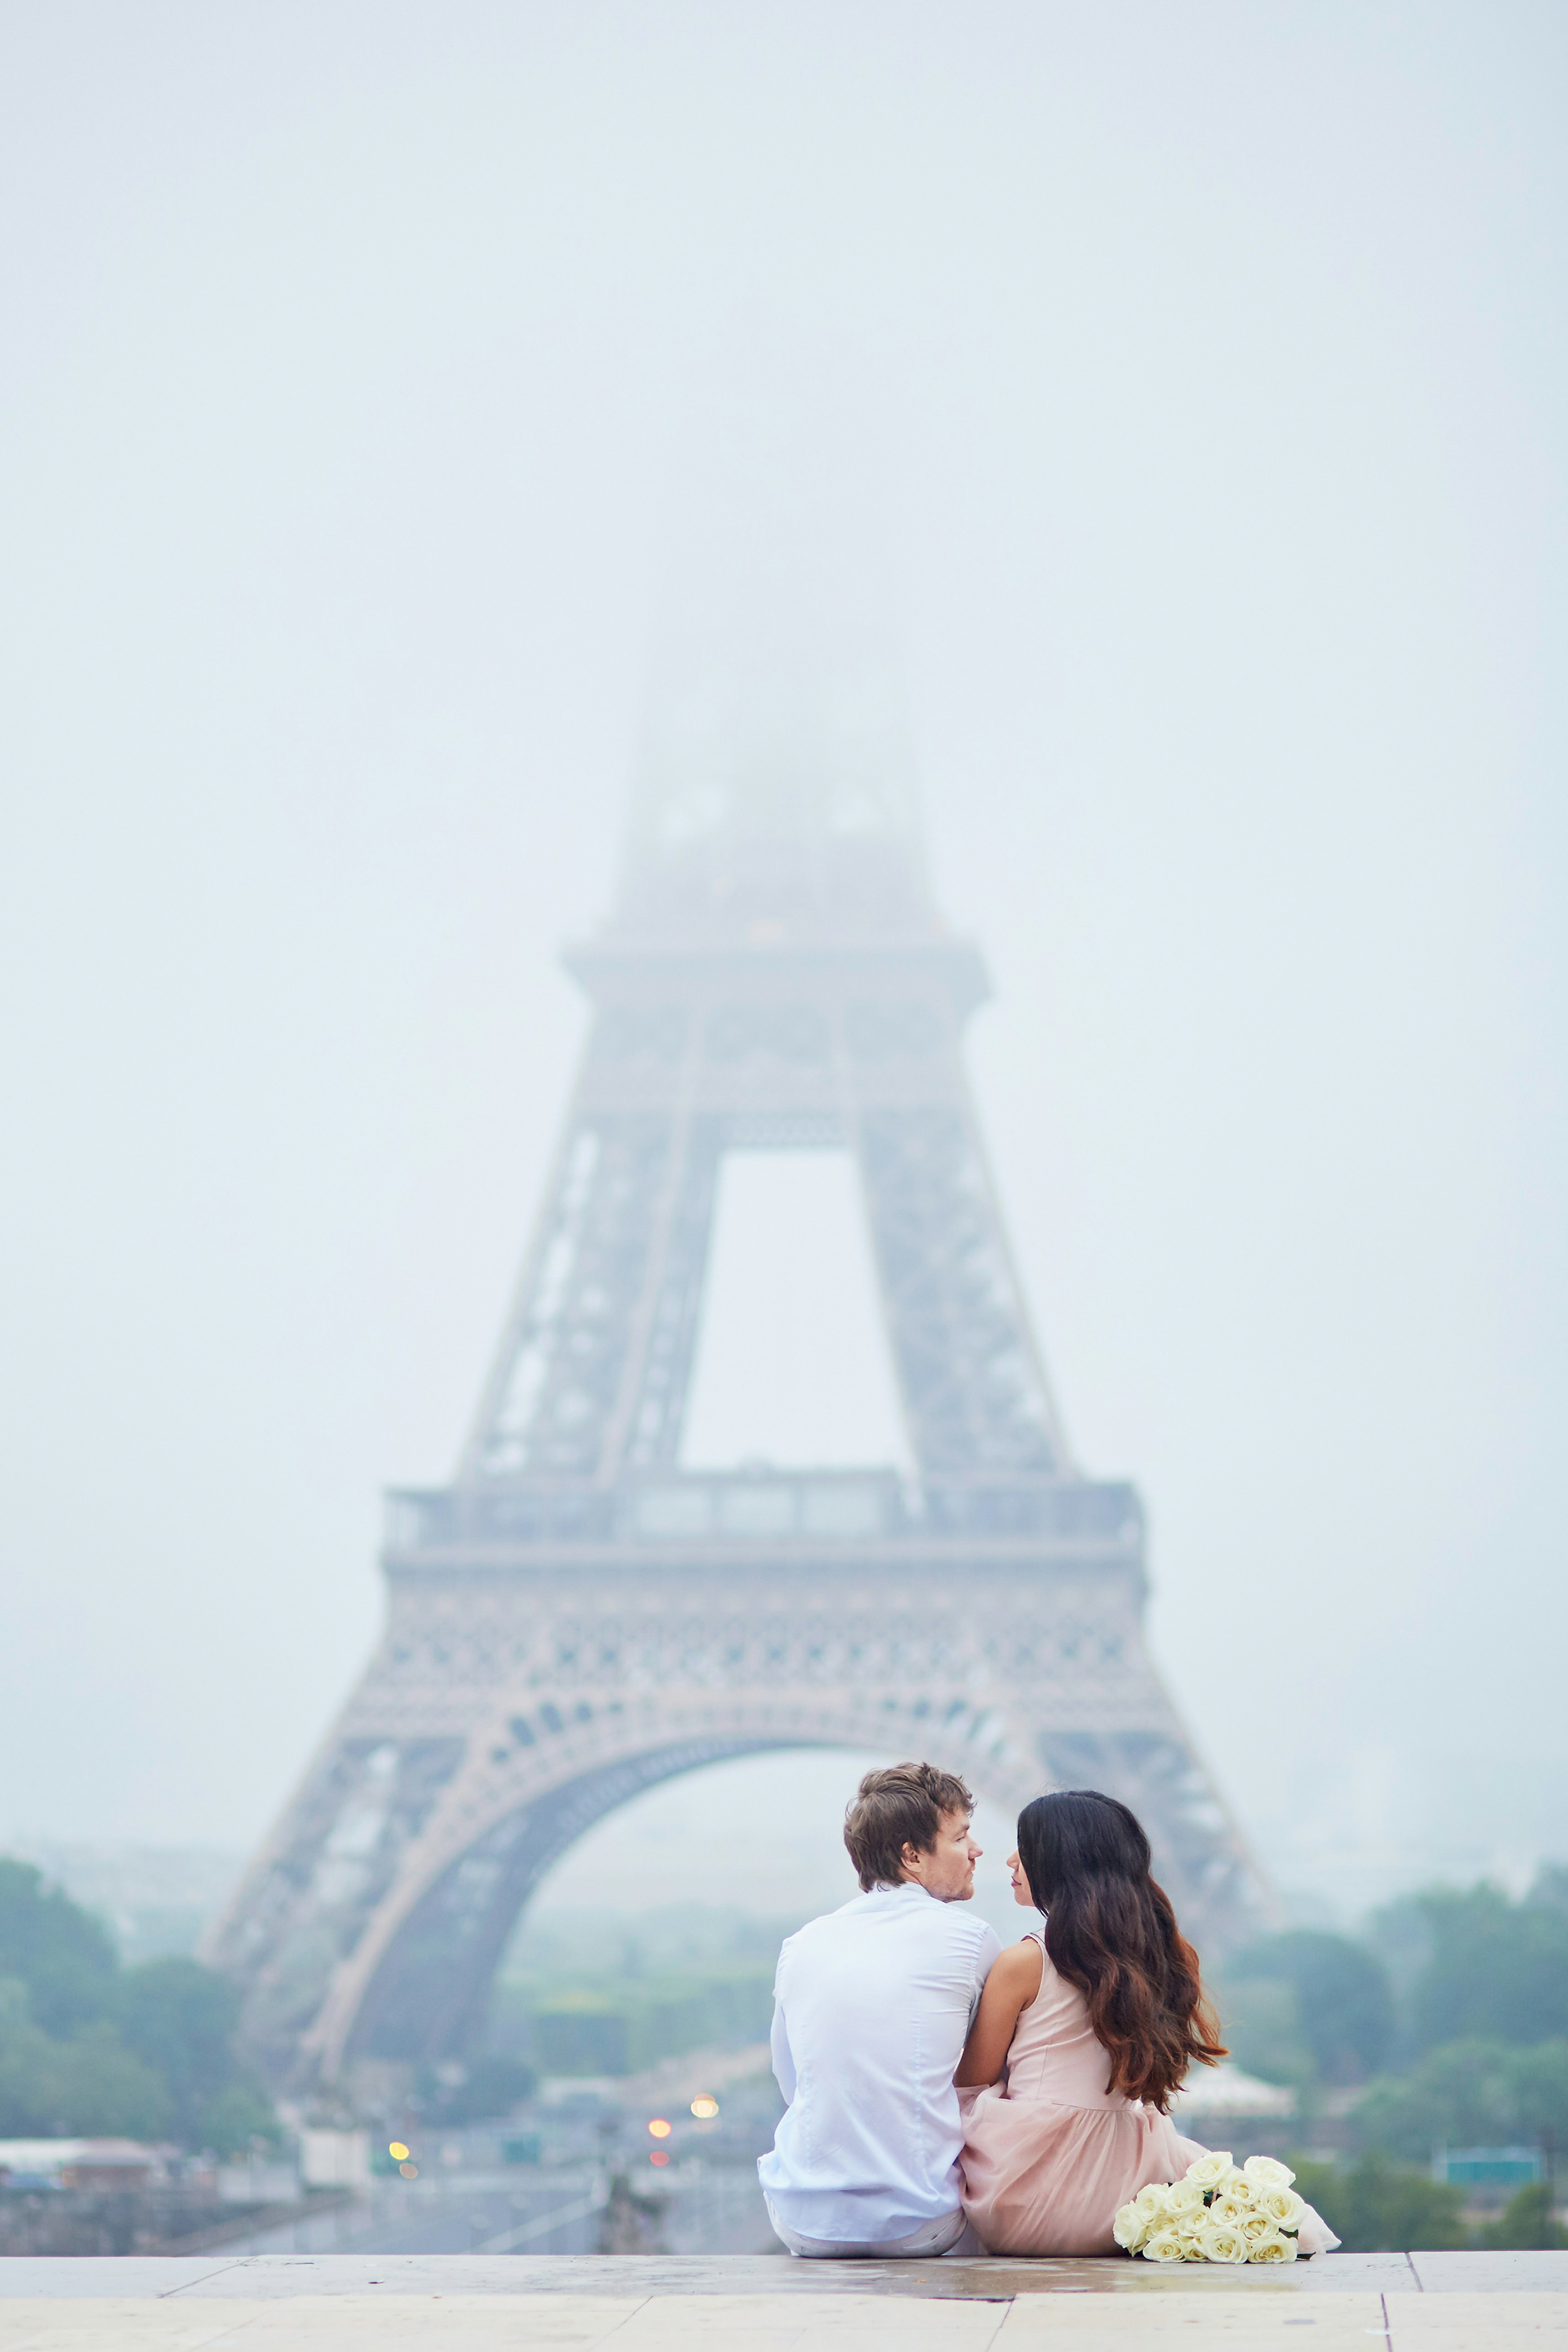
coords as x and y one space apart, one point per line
1009 1988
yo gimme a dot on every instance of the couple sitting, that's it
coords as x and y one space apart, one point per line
944 2097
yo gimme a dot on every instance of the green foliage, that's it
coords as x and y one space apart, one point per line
618 2026
64 1957
1377 2206
1261 2024
90 2049
88 2083
1459 1997
1331 2005
180 2017
1550 1891
104 2088
230 2120
1476 1965
1527 2219
1471 2093
492 2085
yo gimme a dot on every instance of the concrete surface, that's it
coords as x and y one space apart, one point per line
1352 2302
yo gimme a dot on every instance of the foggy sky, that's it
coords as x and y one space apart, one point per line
1180 393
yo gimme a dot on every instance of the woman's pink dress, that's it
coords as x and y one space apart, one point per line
1049 2153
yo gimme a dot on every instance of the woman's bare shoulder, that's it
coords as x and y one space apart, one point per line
1018 1969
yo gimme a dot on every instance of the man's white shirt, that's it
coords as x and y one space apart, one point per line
871 2009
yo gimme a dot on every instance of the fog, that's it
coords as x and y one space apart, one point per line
1175 399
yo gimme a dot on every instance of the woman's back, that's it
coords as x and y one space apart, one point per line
1055 2051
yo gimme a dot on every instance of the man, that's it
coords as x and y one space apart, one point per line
871 2008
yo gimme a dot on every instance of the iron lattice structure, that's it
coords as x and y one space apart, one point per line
577 1617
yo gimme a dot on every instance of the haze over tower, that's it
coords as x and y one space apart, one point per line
780 804
579 1615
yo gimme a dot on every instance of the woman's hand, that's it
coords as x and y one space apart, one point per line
1011 1985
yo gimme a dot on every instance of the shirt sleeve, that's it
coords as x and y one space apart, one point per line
783 2056
987 1952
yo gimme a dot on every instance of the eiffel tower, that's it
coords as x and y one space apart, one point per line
577 1616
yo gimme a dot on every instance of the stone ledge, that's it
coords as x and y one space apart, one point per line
256 2278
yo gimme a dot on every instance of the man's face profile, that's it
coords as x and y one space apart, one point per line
947 1870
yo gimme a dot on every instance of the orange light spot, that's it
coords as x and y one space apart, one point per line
409 2171
398 2150
659 2128
657 2156
704 2106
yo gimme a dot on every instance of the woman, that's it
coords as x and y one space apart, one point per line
1083 2034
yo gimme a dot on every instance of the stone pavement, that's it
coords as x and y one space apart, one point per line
279 2303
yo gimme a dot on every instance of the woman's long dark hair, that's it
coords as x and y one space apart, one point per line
1110 1930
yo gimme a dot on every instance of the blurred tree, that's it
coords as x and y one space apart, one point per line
1527 2219
232 2120
26 2086
102 2088
88 2048
1475 1964
1260 2020
91 2084
180 2017
490 2087
64 1957
1470 2094
1550 1888
1342 2002
1376 2205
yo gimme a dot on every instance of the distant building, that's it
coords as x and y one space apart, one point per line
97 2163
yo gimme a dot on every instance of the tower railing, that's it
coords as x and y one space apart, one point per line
761 1505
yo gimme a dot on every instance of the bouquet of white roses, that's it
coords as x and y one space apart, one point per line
1217 2212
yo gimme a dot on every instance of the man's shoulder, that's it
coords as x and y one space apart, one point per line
956 1925
957 1940
969 1930
956 1930
823 1925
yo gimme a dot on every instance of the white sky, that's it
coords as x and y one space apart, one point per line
1183 391
793 1364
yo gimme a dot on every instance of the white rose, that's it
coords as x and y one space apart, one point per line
1271 2248
1151 2198
1208 2171
1129 2227
1241 2190
1165 2246
1252 2223
1283 2207
1222 2245
1227 2208
1268 2172
1183 2197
